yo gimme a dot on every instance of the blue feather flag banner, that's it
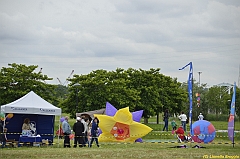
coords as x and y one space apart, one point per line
231 116
190 63
190 77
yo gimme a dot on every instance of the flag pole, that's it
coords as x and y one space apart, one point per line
233 132
191 107
192 98
234 113
190 85
231 121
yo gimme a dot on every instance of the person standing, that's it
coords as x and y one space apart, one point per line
84 129
66 131
87 122
2 135
183 119
200 117
165 119
78 129
94 131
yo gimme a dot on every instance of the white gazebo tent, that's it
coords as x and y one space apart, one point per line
31 103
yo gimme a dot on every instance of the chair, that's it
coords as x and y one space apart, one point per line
186 139
12 143
45 142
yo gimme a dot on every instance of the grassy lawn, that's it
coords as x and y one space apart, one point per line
117 151
158 135
219 125
157 144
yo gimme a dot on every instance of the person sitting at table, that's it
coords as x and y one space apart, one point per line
26 124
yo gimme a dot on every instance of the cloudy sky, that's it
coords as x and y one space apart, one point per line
85 35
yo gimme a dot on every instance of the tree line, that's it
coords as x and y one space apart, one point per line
138 89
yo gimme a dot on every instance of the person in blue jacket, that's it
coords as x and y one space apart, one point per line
94 131
66 131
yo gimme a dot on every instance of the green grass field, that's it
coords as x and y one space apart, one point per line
159 135
219 125
157 144
120 151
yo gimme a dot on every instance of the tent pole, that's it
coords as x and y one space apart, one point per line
4 122
59 130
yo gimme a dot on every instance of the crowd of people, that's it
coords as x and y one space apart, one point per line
85 132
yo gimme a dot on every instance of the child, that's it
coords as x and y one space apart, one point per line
174 125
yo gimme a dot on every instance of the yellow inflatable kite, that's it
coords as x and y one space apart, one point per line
121 127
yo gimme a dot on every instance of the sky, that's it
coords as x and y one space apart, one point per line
85 35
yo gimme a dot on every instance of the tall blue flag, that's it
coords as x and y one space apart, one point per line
231 116
190 78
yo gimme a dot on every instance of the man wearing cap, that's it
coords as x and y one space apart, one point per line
66 131
78 128
200 117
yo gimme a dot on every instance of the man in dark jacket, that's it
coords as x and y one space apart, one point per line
78 128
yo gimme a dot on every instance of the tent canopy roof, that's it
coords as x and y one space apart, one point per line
91 113
31 103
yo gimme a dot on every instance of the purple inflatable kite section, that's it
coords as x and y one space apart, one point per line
137 115
110 110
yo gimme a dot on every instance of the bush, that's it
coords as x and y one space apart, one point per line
221 117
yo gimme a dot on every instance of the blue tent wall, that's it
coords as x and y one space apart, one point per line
44 123
45 126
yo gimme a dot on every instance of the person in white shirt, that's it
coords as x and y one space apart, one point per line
200 117
85 129
183 119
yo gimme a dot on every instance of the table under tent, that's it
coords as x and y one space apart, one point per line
38 110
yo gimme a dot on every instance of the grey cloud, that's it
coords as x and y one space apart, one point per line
60 36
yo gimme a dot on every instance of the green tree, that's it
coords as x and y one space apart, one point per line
18 80
175 96
61 92
138 89
217 99
157 92
145 82
202 90
96 89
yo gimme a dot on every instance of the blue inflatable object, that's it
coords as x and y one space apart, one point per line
203 131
